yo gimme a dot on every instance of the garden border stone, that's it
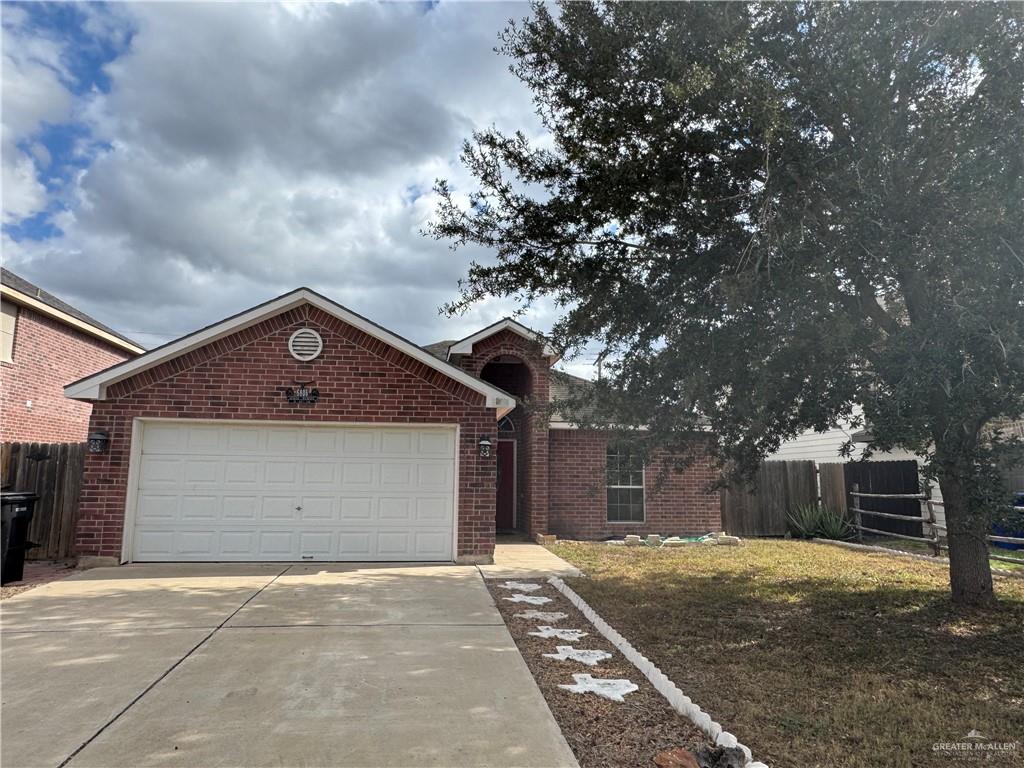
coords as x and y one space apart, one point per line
680 702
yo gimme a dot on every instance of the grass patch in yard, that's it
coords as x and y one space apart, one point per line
923 548
815 655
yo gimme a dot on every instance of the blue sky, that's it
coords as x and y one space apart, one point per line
169 164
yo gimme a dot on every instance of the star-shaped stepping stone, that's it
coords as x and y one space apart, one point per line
568 653
609 689
522 586
572 635
542 615
531 599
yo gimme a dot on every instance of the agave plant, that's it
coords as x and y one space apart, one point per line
809 520
804 520
833 524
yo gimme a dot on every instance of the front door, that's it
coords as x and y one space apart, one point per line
505 508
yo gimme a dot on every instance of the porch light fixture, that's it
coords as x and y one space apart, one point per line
98 441
485 447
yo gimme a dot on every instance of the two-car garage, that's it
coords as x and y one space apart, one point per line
211 491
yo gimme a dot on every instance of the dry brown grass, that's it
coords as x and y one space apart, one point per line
818 656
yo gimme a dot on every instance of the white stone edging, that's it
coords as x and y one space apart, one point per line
675 697
903 553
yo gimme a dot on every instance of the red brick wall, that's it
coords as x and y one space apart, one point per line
48 355
578 501
244 377
532 440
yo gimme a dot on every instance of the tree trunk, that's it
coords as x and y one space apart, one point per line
970 576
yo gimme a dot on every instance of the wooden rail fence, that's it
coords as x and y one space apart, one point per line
926 517
54 471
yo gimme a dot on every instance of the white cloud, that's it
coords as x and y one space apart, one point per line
32 93
255 148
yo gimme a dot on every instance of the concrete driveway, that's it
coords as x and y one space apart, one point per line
254 665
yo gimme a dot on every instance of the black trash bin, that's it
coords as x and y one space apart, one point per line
16 510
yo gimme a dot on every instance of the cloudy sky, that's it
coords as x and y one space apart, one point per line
166 165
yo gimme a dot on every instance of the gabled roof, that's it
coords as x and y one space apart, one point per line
94 387
20 291
465 346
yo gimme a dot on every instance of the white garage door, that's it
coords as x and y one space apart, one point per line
263 492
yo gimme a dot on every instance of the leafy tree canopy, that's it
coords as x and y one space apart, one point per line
770 214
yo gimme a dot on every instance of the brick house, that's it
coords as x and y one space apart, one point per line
299 430
45 344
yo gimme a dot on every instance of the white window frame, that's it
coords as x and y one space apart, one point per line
642 487
11 310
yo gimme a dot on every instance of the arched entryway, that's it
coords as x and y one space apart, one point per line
514 376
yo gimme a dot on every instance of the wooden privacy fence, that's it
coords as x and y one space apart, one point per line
54 471
781 486
761 510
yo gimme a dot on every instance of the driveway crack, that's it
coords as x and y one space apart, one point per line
170 669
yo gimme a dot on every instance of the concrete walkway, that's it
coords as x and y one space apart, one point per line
258 665
520 559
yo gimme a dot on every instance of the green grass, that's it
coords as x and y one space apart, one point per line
921 547
815 655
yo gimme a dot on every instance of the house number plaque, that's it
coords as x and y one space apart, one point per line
302 392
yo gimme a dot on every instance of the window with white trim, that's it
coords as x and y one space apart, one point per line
9 313
625 484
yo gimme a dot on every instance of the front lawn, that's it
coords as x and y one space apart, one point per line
815 655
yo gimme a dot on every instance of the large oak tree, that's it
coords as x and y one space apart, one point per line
767 215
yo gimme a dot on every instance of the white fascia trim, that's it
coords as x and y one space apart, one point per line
573 425
465 347
95 387
33 303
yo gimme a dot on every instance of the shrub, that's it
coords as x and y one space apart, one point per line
810 520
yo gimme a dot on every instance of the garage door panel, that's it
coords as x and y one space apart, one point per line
283 441
356 442
396 474
241 508
279 509
430 545
357 544
433 476
161 473
201 543
281 472
212 439
241 474
397 442
237 544
433 510
321 441
157 508
316 543
205 508
245 439
320 473
277 545
358 474
317 509
200 472
437 443
252 492
356 509
154 544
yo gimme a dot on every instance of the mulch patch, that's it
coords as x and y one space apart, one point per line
600 732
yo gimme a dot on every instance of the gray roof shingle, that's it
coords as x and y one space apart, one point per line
22 285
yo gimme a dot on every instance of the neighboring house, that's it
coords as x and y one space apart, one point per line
823 448
46 344
299 430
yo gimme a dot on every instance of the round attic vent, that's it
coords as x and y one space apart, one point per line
305 344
